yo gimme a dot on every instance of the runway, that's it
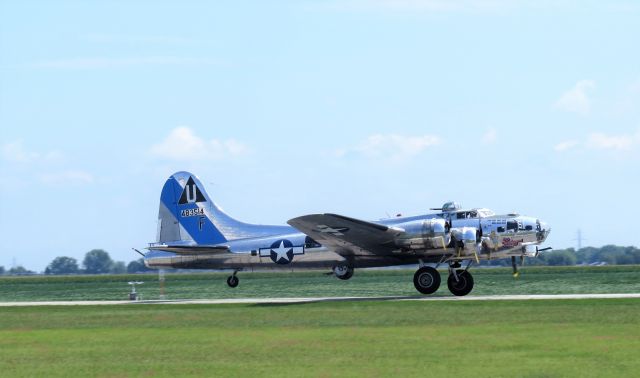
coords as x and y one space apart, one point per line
323 299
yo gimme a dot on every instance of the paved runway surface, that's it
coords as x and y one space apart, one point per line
321 299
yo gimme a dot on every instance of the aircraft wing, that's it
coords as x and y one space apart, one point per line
348 236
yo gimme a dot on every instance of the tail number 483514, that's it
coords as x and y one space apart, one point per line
192 212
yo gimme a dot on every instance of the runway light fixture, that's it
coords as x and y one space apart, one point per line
133 295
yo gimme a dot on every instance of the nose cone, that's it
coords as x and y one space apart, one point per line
544 230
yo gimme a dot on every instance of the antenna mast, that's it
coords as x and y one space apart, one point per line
579 239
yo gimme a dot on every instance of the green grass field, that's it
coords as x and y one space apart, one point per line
558 338
533 280
329 339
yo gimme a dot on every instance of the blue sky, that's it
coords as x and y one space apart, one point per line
363 108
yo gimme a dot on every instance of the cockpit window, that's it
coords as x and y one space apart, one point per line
467 214
475 213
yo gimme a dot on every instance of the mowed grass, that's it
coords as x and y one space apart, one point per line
397 282
585 338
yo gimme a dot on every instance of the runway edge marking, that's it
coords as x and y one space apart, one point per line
323 299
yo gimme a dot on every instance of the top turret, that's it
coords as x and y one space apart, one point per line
449 207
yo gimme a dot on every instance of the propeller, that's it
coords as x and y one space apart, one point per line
541 250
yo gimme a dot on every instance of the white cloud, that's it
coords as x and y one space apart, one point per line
458 6
490 136
183 145
576 99
392 146
16 152
421 5
138 39
602 141
69 177
105 63
566 145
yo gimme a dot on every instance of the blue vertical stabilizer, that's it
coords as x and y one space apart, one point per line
188 216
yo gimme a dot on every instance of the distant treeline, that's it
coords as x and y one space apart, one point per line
98 261
606 255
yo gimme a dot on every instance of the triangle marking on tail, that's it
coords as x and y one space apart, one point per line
191 193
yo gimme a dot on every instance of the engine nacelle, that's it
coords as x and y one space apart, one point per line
466 239
424 234
465 234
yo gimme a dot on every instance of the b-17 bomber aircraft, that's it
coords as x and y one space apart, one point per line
194 233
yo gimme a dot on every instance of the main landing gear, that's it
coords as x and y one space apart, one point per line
233 280
427 280
460 283
343 272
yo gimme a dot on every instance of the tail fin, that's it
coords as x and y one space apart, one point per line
187 216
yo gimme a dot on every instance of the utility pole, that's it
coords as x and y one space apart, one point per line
579 239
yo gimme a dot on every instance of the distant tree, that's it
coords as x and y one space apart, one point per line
1 270
610 254
118 267
136 266
635 254
97 261
563 257
62 265
584 255
18 270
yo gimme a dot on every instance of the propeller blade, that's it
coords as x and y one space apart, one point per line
541 250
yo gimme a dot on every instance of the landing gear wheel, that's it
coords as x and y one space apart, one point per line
463 286
233 281
343 272
426 280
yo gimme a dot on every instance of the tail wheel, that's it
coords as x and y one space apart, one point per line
463 285
426 280
343 272
233 281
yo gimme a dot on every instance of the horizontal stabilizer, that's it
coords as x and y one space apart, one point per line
191 250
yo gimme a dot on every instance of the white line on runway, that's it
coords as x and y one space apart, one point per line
323 299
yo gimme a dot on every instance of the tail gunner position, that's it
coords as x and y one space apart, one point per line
194 233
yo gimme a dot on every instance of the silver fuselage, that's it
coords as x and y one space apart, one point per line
474 234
